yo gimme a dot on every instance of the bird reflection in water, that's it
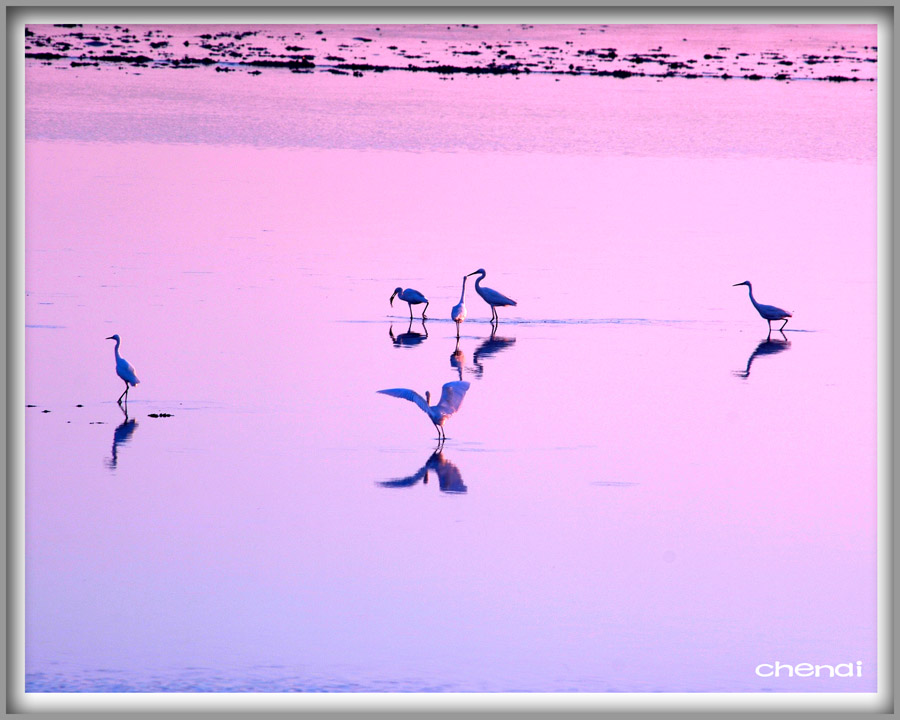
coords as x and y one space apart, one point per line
410 338
121 435
458 359
449 477
489 348
767 346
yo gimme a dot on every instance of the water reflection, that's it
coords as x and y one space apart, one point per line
458 359
489 348
410 338
121 435
449 477
767 346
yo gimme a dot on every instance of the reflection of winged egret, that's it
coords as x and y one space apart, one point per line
489 348
408 338
491 296
449 477
411 297
458 313
121 436
124 370
768 346
768 312
451 398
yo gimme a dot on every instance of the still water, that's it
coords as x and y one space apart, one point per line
642 490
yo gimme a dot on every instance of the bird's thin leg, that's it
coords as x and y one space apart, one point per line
124 393
410 311
783 324
457 334
423 311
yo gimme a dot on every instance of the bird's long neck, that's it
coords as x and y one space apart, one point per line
462 295
478 280
116 349
752 299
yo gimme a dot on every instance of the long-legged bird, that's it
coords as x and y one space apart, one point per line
124 370
767 312
490 296
411 297
451 398
458 313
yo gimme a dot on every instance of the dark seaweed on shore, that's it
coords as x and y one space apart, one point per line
75 46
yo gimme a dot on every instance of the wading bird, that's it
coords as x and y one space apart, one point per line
458 313
451 398
123 370
767 312
412 297
491 296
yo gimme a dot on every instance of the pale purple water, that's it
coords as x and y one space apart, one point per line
637 494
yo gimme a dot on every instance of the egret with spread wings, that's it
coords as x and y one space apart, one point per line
451 398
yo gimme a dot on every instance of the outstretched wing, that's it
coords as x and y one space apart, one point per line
410 395
406 481
452 396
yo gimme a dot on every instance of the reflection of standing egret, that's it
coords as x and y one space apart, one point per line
767 312
458 360
451 398
411 297
121 436
458 313
123 370
768 346
491 296
409 338
489 348
449 477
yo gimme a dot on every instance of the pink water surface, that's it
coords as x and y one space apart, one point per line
638 493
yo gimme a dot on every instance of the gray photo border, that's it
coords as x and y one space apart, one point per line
143 704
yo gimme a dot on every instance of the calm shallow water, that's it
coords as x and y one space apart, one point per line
638 494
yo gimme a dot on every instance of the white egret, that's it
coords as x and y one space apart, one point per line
767 312
412 297
451 398
123 370
459 312
491 296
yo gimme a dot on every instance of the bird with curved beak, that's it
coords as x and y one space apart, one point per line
411 297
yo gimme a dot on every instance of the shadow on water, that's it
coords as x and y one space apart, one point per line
121 436
767 346
489 348
449 477
458 360
410 338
